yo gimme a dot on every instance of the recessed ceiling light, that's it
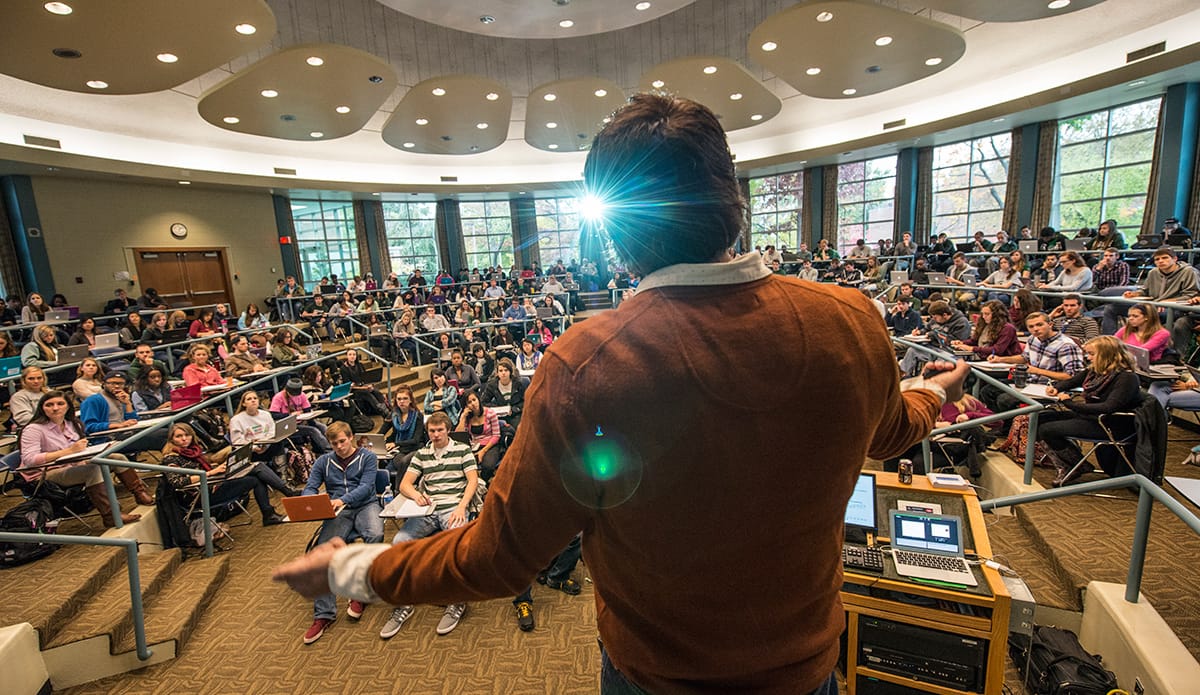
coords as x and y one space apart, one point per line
551 124
422 121
231 120
438 91
813 71
883 40
492 96
552 146
410 145
710 69
601 92
481 126
245 29
756 117
736 96
850 91
824 16
343 109
269 93
487 19
933 61
167 58
316 134
185 183
550 97
1058 4
97 84
60 8
769 46
1137 83
566 24
315 61
642 6
657 84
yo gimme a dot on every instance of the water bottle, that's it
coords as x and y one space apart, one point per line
387 495
1021 378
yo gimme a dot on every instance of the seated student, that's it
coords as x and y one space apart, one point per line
119 304
1076 276
362 392
442 396
902 318
484 427
515 311
252 319
449 476
155 327
993 334
54 432
527 359
1068 318
42 351
505 389
1024 303
963 447
251 425
406 424
1107 237
89 379
1047 271
403 330
143 358
542 331
241 361
23 404
348 476
185 453
111 409
316 313
151 300
199 370
1110 275
316 388
131 331
85 333
284 351
808 272
204 325
557 576
292 401
433 321
1169 280
483 363
1006 277
1109 386
1050 355
35 309
1143 329
150 389
462 373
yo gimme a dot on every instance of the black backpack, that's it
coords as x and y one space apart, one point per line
1054 663
29 517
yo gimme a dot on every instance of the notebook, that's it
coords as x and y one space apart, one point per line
402 507
309 507
929 546
545 312
72 353
175 335
107 341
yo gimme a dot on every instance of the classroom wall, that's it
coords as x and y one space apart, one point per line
90 226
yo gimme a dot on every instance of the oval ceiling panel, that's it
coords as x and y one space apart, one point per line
841 50
1009 10
721 84
127 46
540 19
452 114
565 115
310 92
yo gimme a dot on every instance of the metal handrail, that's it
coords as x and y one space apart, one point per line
131 565
1148 492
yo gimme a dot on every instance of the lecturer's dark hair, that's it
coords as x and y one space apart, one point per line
664 173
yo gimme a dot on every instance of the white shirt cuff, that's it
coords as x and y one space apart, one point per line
920 382
350 568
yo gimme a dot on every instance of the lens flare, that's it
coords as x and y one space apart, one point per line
591 207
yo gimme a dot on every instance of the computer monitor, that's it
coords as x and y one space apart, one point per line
860 510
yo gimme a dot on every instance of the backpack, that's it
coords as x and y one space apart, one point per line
297 464
1054 663
30 517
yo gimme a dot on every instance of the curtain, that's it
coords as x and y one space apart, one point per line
1193 211
10 272
829 205
360 237
924 206
375 207
808 198
1151 208
1043 191
1011 222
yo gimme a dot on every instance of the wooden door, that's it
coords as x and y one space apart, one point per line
186 277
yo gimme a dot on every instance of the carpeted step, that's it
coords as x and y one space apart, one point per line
47 592
109 610
172 612
1015 547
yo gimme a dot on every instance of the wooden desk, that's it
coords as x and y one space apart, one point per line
981 613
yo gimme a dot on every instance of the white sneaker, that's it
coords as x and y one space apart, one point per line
454 613
396 621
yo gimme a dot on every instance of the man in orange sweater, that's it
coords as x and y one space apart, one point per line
714 542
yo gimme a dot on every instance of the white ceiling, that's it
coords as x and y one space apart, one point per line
1003 62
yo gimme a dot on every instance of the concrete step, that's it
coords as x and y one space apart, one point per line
174 611
75 573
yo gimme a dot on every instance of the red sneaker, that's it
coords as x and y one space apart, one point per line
316 630
355 609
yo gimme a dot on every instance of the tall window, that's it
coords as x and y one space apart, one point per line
775 206
1103 169
866 201
326 239
558 229
487 233
411 230
969 183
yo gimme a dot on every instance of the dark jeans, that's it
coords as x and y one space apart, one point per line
613 682
559 570
230 490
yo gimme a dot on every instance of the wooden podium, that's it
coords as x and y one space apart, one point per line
922 617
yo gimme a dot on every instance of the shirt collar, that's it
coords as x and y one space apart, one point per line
747 268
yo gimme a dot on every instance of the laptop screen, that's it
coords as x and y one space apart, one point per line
860 511
929 533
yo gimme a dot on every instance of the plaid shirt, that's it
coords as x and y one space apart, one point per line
1059 354
1115 275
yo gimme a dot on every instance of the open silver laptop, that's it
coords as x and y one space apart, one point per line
1076 245
107 341
72 353
1141 363
377 443
1027 246
283 429
899 277
929 546
936 278
58 315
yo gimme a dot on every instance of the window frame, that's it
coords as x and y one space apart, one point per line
402 265
341 251
498 254
844 243
776 236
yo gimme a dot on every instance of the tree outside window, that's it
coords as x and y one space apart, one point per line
325 238
487 233
411 231
776 203
866 198
558 229
970 180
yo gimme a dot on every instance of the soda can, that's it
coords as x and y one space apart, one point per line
906 470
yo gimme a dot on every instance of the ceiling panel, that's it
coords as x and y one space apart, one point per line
1010 10
544 19
565 115
738 99
451 114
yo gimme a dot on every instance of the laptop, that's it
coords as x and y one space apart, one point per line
970 279
377 443
73 353
445 355
535 338
930 547
175 335
936 278
239 462
309 507
1141 363
336 393
1076 245
186 397
461 437
107 341
73 312
10 366
58 315
284 428
967 247
860 510
379 329
1027 246
899 277
545 312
